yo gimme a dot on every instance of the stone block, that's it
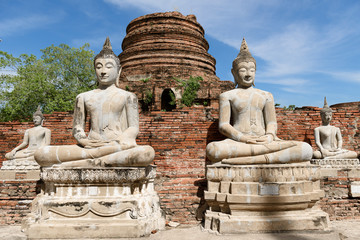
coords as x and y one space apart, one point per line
266 198
355 189
95 203
247 221
26 174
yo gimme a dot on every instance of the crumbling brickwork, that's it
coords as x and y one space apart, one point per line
161 47
179 139
15 198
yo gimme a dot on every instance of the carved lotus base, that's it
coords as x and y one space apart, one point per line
255 195
336 163
95 203
20 164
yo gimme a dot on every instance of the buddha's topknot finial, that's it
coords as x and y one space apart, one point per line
244 55
107 44
38 112
326 107
107 52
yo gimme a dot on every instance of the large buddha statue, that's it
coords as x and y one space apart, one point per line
328 138
248 119
34 138
114 124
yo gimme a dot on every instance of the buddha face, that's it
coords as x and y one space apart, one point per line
326 117
37 120
244 74
106 71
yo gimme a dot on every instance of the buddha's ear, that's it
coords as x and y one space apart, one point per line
119 72
117 82
233 73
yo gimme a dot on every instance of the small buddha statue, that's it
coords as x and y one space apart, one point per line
114 124
34 138
328 138
252 132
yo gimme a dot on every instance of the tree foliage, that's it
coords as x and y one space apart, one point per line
191 87
53 81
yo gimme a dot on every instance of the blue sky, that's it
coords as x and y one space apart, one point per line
305 49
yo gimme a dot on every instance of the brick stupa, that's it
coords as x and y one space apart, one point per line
160 47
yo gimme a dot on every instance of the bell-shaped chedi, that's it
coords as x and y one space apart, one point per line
162 47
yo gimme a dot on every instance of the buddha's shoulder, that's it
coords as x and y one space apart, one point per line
230 93
262 92
126 94
326 127
85 94
237 91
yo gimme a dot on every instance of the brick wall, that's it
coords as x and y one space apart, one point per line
179 139
300 124
338 202
15 198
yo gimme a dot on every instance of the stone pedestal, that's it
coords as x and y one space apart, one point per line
336 163
95 203
17 164
264 198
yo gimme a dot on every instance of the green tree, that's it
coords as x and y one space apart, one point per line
53 81
191 88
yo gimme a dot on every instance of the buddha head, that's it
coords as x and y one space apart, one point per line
38 117
107 65
326 113
244 67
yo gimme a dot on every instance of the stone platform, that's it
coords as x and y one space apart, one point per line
95 203
264 198
18 164
336 163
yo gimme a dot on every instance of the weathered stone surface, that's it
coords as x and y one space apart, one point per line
114 124
264 198
336 163
20 165
245 222
248 120
257 182
355 189
100 175
103 187
99 207
18 174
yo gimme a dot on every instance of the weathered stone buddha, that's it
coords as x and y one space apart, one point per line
252 132
34 138
258 183
328 138
114 124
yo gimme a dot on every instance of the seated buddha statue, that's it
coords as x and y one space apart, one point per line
114 124
34 138
247 118
328 138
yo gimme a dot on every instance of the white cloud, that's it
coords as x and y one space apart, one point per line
284 34
346 76
14 25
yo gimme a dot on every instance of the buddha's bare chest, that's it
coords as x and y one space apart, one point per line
36 136
248 102
326 132
102 103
